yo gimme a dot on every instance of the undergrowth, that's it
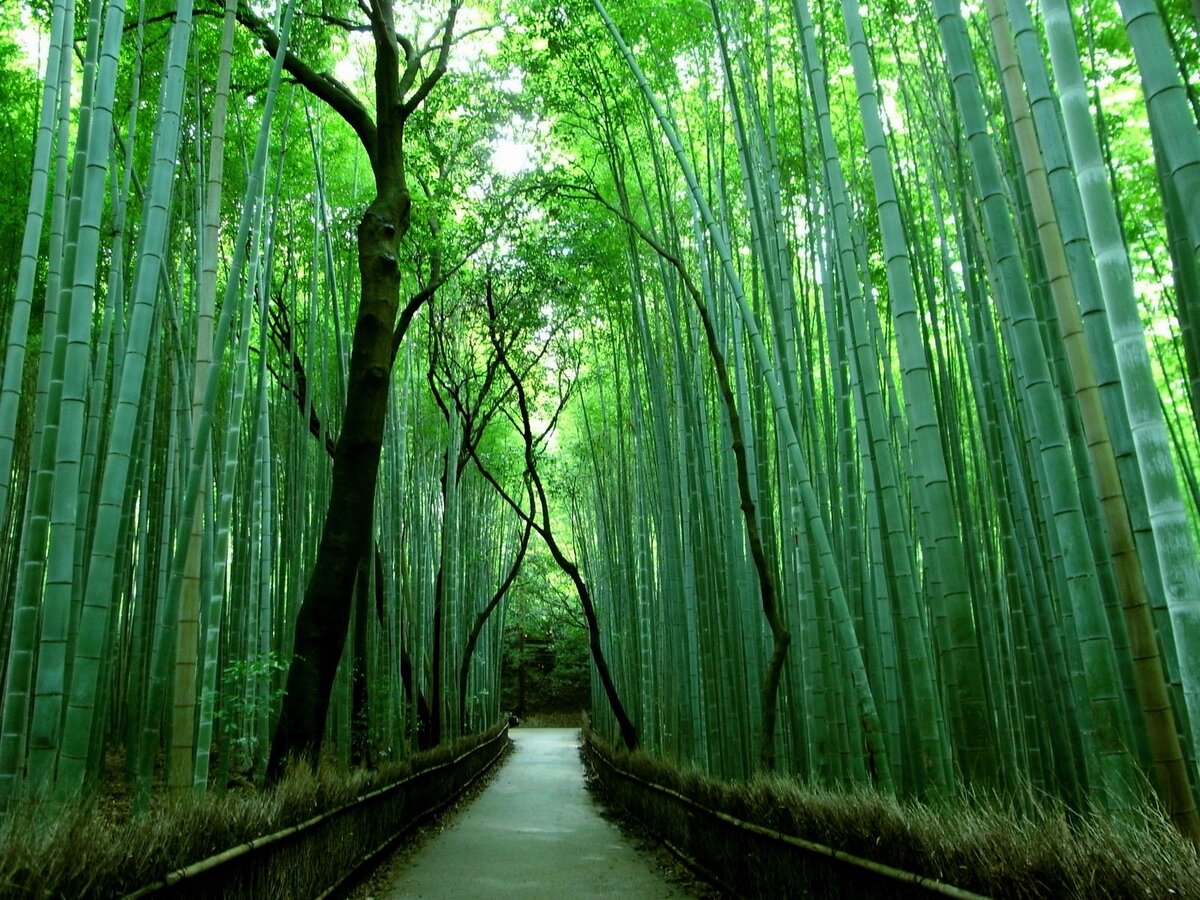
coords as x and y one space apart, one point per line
551 720
973 842
89 850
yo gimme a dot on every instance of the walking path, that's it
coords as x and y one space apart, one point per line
534 832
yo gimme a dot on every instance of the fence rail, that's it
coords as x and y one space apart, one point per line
749 860
321 855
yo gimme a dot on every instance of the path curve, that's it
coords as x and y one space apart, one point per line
534 832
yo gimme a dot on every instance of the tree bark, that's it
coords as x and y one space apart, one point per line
360 737
401 86
629 733
324 615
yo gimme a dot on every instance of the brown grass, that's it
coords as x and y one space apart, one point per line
973 842
100 850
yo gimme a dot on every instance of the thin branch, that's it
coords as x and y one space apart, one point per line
419 299
320 84
427 84
344 24
482 29
438 277
280 327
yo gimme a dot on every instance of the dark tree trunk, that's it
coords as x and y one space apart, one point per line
360 740
324 615
629 735
403 77
481 619
413 696
435 661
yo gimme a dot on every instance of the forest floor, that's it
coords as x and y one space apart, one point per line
535 831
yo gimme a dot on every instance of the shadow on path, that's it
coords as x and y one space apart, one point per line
534 832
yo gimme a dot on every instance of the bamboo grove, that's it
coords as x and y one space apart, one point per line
174 385
843 357
884 315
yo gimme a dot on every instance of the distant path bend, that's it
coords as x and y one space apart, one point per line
534 832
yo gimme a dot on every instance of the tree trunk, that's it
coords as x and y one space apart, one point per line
360 738
324 615
481 619
403 79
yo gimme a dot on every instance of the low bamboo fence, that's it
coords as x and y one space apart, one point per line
321 856
748 860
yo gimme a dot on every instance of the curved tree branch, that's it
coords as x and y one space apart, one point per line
768 595
409 105
321 84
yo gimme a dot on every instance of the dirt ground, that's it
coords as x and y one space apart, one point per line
534 832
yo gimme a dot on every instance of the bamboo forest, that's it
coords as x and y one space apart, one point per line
830 371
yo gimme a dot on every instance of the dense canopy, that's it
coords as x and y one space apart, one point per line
839 361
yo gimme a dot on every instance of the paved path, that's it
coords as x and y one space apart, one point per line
534 832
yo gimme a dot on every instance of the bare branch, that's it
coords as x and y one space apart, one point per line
321 84
280 327
439 69
437 278
407 45
482 29
338 21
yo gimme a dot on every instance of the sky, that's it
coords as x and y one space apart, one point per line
513 148
33 40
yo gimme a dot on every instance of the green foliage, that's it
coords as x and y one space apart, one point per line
19 98
546 666
240 702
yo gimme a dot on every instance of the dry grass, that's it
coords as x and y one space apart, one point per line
100 850
973 842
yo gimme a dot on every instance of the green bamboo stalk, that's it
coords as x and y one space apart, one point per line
76 748
1176 550
848 642
23 635
203 429
1149 677
71 372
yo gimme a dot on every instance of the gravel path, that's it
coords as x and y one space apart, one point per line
534 832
